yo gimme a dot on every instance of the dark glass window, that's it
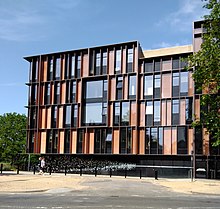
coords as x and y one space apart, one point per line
153 141
50 72
119 87
147 141
73 92
123 140
183 83
73 66
129 140
148 87
148 66
104 63
54 117
116 113
175 112
105 90
157 86
57 93
175 63
125 114
176 83
34 71
55 141
157 67
182 140
149 114
80 138
132 87
198 140
160 145
67 116
31 142
78 73
108 141
98 64
183 63
58 68
156 112
32 118
75 115
97 148
118 62
130 60
47 94
104 112
33 94
189 111
49 142
66 75
67 142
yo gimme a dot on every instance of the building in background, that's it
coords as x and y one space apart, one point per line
118 100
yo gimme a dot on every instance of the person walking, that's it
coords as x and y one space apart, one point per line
42 165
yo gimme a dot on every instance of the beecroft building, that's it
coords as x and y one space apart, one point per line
118 100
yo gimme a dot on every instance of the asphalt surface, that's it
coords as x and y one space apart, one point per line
109 193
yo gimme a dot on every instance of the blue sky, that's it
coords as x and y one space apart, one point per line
42 26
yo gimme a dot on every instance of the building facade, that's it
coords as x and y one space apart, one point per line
116 100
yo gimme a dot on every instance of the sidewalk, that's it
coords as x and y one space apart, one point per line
27 182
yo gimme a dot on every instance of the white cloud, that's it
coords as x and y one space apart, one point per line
181 20
11 84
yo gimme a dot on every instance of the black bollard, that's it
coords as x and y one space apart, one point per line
125 172
50 170
140 174
110 172
65 170
95 172
80 171
156 174
34 169
18 170
1 168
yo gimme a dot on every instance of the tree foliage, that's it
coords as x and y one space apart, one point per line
206 74
12 136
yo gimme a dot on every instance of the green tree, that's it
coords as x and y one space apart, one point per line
12 136
206 74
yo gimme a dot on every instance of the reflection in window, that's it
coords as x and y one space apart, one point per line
108 140
104 112
57 93
157 66
157 86
130 60
160 145
153 141
55 141
97 139
58 65
98 64
149 114
47 94
73 66
118 62
93 113
122 141
175 84
116 113
75 116
132 87
175 112
50 73
94 89
119 87
189 111
68 116
175 63
125 114
148 67
147 141
104 63
183 83
73 92
78 73
148 87
156 112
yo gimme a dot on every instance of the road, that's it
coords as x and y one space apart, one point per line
109 193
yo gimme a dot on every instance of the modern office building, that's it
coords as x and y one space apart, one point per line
117 100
